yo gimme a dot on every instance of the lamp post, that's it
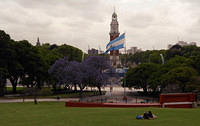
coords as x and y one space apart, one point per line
150 57
162 58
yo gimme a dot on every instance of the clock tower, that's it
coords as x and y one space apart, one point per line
114 33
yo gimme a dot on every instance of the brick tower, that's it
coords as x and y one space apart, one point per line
114 33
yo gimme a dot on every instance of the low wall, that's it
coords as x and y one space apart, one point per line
117 105
178 97
178 100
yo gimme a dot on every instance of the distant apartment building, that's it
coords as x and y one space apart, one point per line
100 52
133 50
193 43
93 51
182 44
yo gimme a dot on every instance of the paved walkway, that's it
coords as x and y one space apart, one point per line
117 93
38 99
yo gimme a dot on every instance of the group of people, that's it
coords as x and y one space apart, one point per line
146 115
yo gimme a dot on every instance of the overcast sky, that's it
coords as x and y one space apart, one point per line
148 23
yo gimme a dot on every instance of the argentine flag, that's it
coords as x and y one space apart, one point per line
116 44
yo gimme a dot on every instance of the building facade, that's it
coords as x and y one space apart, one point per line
182 44
133 50
93 51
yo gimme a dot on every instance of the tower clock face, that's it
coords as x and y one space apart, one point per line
114 24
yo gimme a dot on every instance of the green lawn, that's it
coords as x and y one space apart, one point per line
56 114
9 89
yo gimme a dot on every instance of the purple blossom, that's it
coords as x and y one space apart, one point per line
89 72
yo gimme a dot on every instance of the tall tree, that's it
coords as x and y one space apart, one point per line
180 76
57 70
139 76
98 64
3 74
15 69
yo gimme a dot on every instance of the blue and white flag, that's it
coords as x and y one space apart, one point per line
116 44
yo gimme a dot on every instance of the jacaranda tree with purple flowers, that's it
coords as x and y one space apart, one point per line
87 73
57 70
72 74
97 66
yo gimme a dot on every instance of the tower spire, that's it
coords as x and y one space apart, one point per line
38 39
38 42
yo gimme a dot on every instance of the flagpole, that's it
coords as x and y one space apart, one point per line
125 98
82 58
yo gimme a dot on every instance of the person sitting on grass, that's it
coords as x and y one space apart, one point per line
151 116
139 117
147 115
144 116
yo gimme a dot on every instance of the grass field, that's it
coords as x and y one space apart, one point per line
56 114
9 89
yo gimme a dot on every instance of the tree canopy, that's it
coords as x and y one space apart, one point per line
180 72
28 65
87 73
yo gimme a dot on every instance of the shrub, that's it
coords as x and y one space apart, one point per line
45 92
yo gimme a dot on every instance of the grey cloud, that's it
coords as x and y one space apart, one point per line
140 20
190 1
21 16
86 9
195 28
86 22
54 20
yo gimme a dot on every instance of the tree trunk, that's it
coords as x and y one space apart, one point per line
144 86
14 85
14 88
54 88
154 90
39 84
145 89
1 90
99 90
81 92
2 86
81 86
75 88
